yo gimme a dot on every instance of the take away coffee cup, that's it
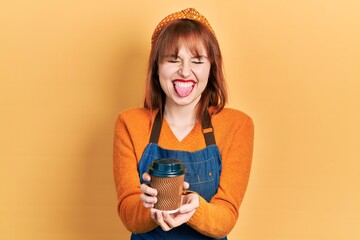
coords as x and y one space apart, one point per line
167 177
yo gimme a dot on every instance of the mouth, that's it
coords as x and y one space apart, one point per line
183 88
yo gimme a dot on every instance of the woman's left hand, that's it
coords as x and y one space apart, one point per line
169 221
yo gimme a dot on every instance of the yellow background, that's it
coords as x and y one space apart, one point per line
68 67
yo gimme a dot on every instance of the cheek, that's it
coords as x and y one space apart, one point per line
160 71
164 79
204 83
204 73
165 72
163 83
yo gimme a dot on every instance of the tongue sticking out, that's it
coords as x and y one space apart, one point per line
183 89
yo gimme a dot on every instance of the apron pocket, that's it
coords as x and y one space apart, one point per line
201 176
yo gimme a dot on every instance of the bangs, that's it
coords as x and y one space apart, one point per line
183 33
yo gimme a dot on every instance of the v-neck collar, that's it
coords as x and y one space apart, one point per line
205 128
195 130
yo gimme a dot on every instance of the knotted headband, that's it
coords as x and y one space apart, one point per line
189 13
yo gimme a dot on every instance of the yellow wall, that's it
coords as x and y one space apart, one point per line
68 67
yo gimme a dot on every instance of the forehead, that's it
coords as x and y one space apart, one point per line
184 50
189 44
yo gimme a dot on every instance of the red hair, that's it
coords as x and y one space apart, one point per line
193 34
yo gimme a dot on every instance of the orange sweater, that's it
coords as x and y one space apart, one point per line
234 135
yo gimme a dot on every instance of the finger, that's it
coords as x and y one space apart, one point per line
148 205
170 221
160 220
189 207
148 190
186 185
186 208
181 218
153 215
146 177
148 201
191 203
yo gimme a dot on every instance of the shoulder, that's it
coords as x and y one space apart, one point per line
134 113
230 124
232 118
233 129
134 117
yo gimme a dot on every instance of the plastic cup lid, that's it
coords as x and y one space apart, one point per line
166 167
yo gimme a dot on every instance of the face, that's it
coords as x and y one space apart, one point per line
184 77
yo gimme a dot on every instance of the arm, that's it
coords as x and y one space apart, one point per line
217 218
135 217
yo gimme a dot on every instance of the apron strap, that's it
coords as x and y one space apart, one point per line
156 129
207 129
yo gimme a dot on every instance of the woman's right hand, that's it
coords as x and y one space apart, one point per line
149 194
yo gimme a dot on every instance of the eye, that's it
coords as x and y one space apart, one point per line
172 59
198 60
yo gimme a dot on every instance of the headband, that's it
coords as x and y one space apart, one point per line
189 13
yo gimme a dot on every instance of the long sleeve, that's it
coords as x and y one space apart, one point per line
218 217
133 214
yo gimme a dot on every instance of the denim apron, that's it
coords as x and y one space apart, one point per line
203 168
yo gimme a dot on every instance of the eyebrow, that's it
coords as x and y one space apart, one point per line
177 56
201 56
170 56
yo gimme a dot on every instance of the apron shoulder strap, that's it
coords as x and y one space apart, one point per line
155 132
207 129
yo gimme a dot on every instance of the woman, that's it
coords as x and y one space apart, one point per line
183 118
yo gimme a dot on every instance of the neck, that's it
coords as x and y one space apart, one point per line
180 115
181 119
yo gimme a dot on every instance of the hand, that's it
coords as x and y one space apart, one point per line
149 194
168 221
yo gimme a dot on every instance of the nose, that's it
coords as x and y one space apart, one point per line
185 70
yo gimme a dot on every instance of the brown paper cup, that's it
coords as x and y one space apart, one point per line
169 192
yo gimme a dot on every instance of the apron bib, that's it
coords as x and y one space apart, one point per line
203 168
